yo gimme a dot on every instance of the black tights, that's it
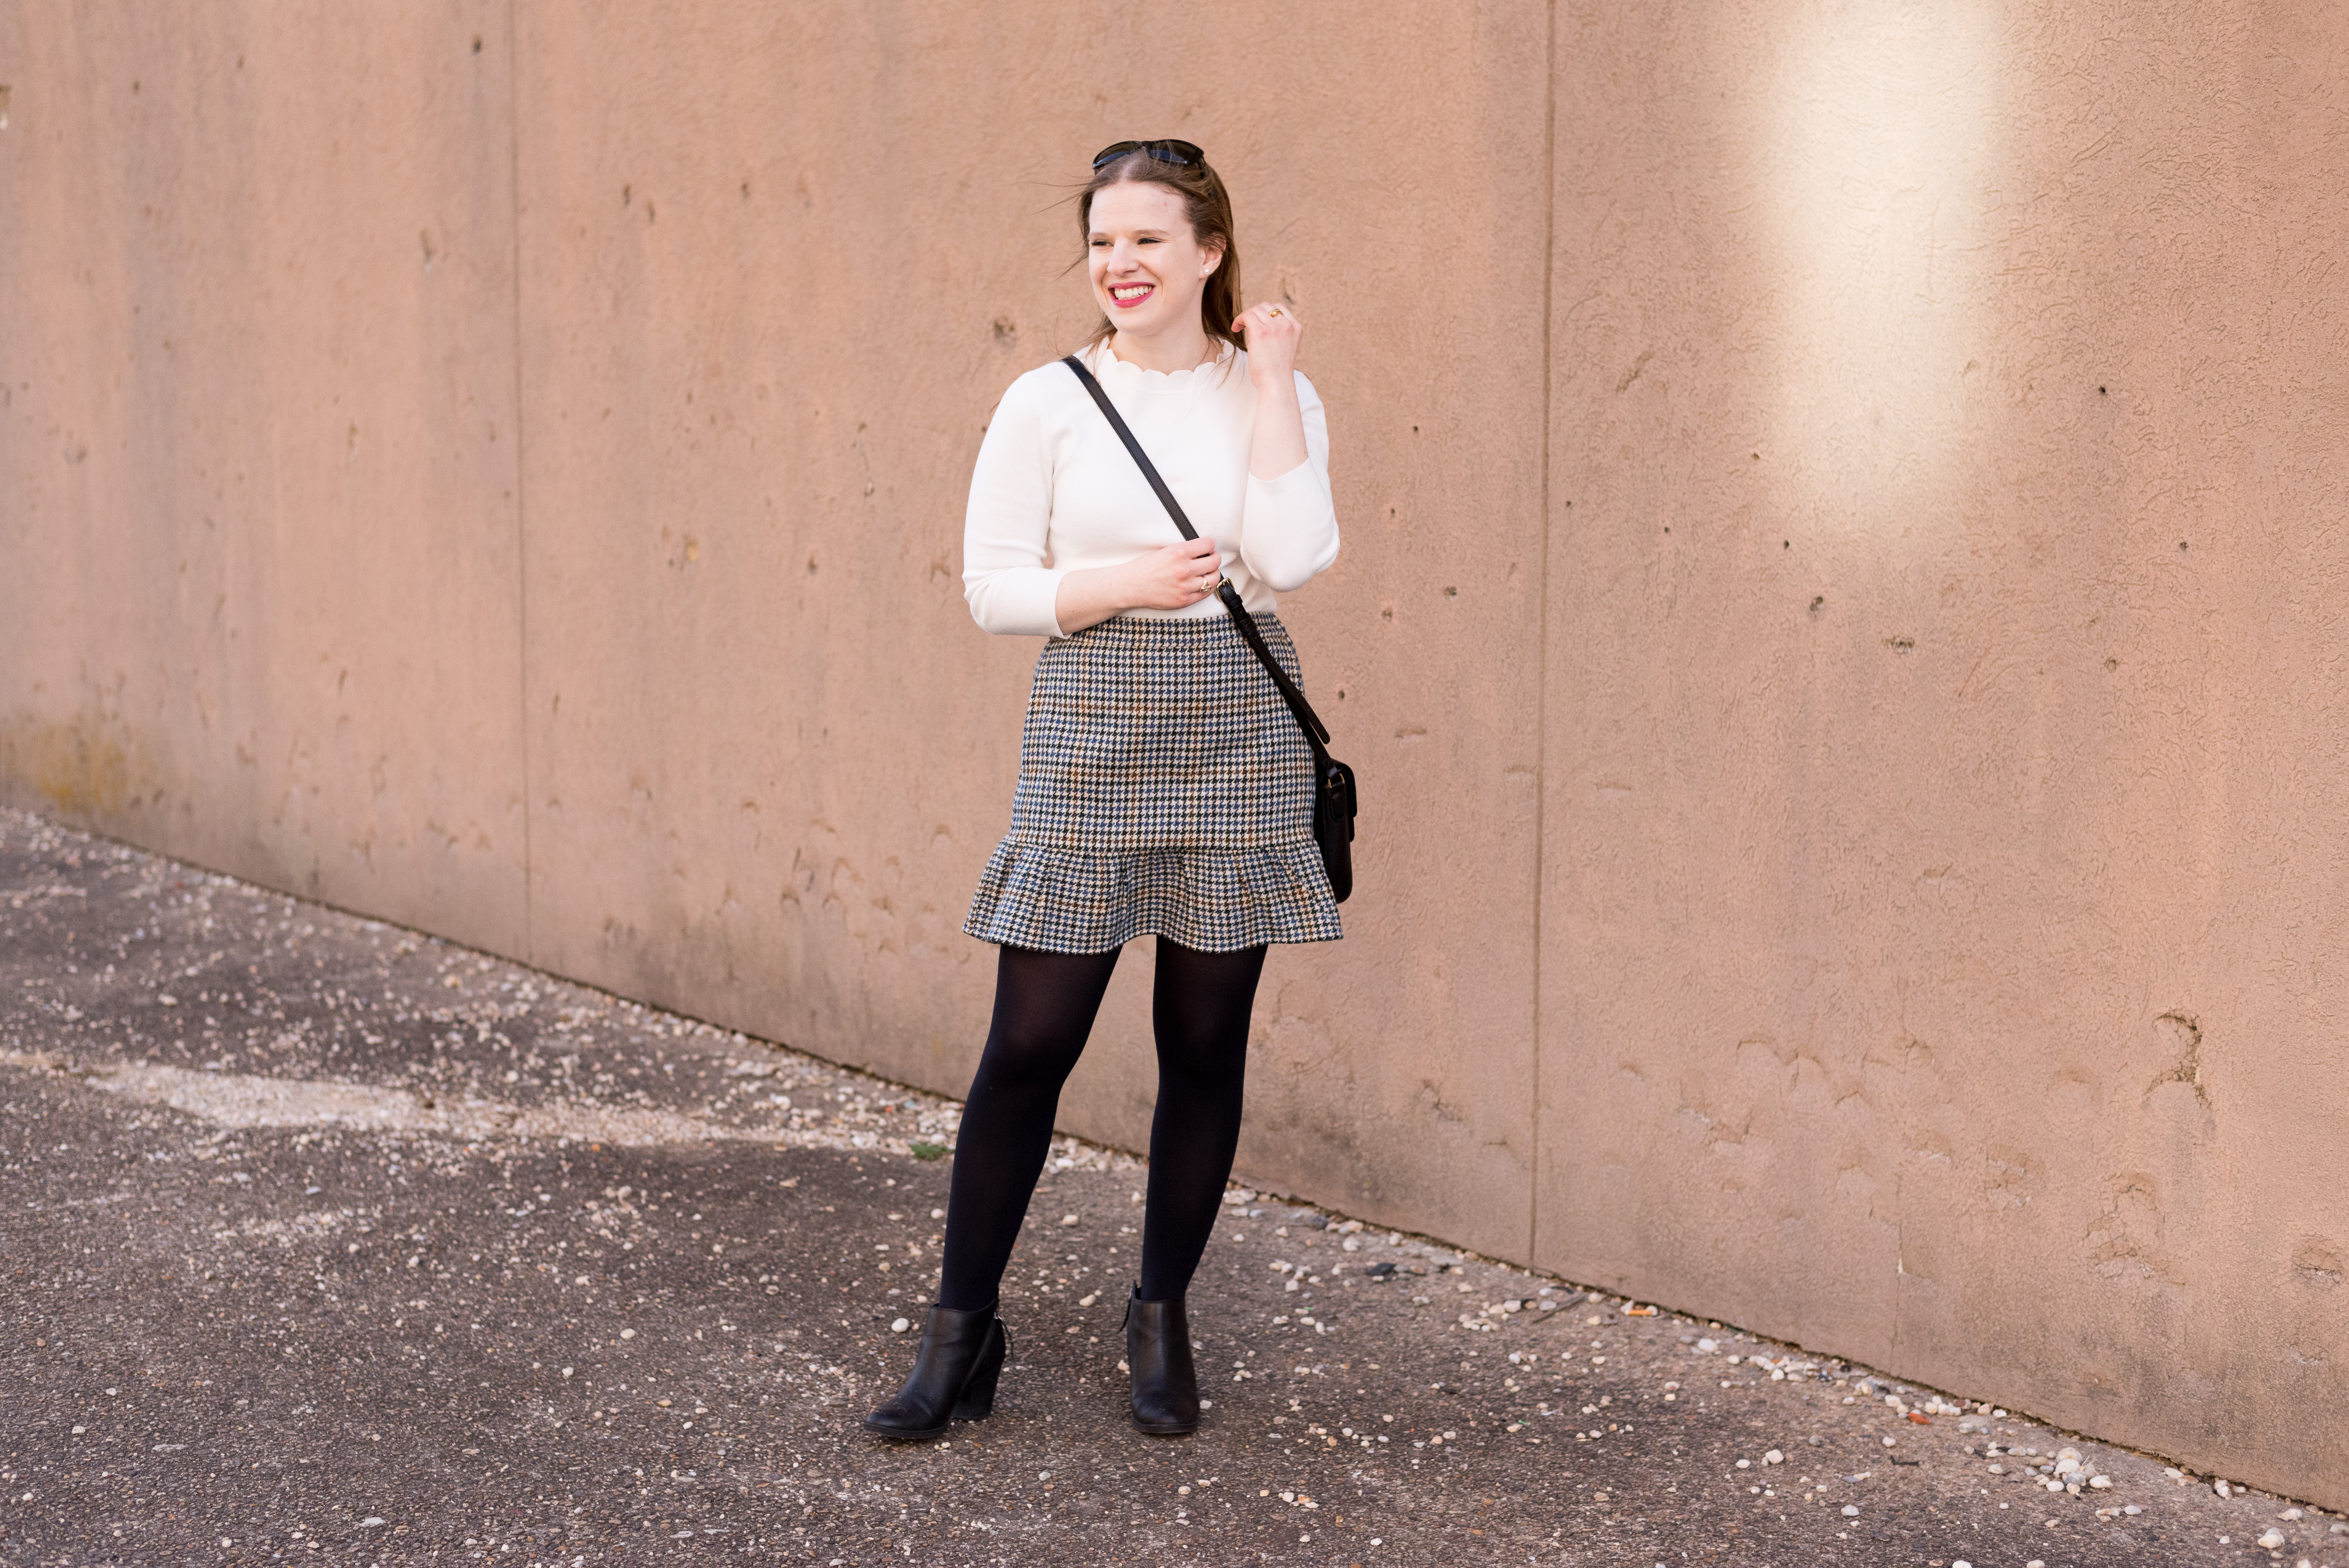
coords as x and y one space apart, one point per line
1044 1007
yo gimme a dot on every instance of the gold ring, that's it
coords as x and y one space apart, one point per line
1274 311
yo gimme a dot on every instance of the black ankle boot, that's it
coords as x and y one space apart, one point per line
1165 1385
953 1377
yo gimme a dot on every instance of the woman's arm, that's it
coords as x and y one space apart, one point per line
1278 444
1174 578
1004 578
1289 531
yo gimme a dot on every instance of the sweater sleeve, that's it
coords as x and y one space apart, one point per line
1009 588
1288 533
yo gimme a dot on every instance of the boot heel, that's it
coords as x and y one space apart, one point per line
978 1400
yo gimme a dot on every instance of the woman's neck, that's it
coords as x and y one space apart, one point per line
1167 352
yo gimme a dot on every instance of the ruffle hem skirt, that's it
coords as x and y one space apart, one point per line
1164 788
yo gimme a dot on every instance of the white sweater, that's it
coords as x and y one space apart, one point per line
1055 491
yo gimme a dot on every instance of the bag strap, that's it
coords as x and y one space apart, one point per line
1317 736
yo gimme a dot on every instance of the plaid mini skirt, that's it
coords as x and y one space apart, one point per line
1164 788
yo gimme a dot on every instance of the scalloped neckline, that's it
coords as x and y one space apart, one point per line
1161 380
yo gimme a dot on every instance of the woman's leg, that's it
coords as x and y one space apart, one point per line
1044 1008
1199 1010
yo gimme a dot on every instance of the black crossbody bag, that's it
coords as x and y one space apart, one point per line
1334 781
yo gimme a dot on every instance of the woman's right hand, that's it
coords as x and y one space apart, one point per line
1174 578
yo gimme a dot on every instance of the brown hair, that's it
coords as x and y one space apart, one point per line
1209 207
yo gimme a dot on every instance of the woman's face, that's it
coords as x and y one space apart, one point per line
1147 264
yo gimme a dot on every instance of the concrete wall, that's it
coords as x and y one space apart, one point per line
1946 822
1837 624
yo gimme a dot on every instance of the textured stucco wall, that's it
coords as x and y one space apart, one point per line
1833 860
1946 802
258 444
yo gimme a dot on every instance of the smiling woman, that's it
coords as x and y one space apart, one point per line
1164 265
1166 788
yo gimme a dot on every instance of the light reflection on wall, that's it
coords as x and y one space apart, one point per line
1878 187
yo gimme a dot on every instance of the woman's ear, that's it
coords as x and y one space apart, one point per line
1215 260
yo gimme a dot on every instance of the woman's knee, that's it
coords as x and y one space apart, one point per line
1013 1063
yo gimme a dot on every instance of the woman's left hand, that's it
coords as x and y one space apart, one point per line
1271 331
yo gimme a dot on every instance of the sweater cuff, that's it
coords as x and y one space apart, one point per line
1026 602
1294 494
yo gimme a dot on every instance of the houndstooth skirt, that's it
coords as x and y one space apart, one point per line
1165 790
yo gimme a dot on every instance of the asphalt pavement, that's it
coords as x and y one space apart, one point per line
327 1241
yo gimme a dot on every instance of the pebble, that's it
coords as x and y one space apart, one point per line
2272 1539
900 1325
1850 1511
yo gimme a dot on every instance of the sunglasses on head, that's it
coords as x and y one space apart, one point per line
1164 148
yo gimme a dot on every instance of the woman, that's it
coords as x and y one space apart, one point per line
1163 787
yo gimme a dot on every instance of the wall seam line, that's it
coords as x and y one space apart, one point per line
1541 624
521 498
